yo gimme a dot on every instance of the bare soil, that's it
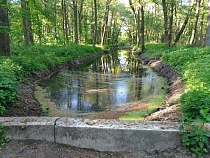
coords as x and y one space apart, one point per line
29 106
43 149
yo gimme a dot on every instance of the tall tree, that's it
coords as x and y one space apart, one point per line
4 29
105 22
165 16
76 38
183 26
170 27
142 29
26 23
65 21
95 23
194 31
207 39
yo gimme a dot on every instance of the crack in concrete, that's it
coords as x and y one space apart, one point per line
55 124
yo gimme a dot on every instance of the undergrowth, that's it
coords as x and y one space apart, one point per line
193 64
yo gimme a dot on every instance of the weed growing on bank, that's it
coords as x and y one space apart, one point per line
193 65
27 60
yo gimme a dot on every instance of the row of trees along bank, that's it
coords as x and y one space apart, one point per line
103 22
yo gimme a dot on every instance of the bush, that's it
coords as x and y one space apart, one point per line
8 83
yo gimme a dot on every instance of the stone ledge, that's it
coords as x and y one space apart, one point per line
102 135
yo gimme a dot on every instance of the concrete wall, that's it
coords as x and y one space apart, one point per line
102 135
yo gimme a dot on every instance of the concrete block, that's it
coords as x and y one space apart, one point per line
113 135
35 128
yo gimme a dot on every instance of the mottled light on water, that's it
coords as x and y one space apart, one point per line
100 85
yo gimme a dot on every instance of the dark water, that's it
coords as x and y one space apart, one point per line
104 84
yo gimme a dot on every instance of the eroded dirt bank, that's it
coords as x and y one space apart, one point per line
169 110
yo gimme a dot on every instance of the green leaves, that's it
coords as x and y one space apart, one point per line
194 66
3 138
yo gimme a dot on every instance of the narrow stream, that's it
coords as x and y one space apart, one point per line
104 84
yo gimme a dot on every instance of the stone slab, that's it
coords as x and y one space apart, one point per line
35 128
114 135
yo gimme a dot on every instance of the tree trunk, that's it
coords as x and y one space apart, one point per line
165 14
26 24
192 38
207 39
76 40
4 29
142 29
80 17
179 34
170 28
138 27
65 21
95 23
134 37
105 22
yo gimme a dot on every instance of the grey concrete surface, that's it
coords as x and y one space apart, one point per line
102 135
33 128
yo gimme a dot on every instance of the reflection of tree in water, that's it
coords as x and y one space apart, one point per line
95 87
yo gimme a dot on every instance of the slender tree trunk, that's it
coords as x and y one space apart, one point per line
55 20
138 28
105 22
80 17
134 37
76 40
194 31
86 26
65 21
4 29
170 29
165 14
26 24
207 39
179 34
95 23
142 29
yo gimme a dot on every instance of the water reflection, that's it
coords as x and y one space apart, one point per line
102 84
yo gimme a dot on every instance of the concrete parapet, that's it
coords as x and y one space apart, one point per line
102 135
35 128
113 135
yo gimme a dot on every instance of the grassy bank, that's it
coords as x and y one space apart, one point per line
27 60
193 64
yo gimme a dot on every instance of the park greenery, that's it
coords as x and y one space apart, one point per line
42 34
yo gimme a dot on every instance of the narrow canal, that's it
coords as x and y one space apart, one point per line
107 83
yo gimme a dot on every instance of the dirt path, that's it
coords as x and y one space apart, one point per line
42 149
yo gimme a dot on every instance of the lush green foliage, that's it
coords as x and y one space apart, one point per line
194 67
3 138
8 83
26 60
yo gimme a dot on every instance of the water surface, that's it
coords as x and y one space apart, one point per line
104 84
